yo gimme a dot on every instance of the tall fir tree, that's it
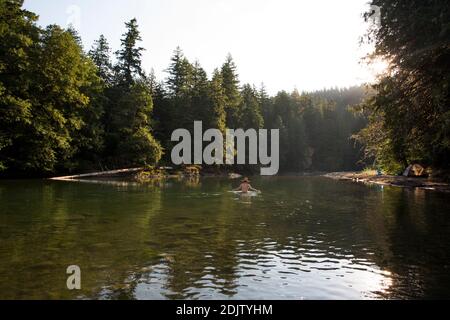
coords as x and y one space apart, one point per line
217 96
129 136
129 57
101 56
265 105
230 82
180 73
179 84
250 109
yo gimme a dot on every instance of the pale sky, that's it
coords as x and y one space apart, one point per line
287 44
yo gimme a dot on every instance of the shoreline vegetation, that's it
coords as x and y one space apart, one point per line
426 183
149 174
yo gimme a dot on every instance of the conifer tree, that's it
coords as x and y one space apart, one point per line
129 137
130 55
180 73
265 105
101 56
217 96
230 82
250 117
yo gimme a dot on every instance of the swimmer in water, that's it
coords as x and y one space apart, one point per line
245 187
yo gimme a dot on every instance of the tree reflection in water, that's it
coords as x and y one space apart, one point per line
302 238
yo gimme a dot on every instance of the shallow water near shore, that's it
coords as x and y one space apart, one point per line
302 238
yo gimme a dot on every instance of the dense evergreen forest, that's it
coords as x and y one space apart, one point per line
65 109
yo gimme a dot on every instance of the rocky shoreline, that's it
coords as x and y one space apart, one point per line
394 181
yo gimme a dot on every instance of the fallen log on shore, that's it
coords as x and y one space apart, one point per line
98 174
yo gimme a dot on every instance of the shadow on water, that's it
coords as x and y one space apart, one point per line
309 238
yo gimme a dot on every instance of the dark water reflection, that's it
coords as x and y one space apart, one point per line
303 238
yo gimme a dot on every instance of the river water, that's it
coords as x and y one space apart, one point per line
302 238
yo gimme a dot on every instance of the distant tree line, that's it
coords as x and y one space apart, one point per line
65 110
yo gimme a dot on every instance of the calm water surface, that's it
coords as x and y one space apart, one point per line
303 238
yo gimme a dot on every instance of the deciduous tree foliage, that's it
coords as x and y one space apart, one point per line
45 85
18 49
